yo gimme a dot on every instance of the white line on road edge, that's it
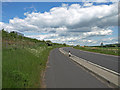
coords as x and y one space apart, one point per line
105 73
96 65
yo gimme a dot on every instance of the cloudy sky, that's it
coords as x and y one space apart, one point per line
74 23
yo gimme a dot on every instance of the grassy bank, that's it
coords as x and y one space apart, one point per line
103 50
22 68
23 60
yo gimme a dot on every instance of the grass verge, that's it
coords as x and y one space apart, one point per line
23 60
103 50
22 69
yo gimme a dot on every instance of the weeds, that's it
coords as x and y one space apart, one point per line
23 60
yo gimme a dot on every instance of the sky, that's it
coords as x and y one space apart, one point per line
73 23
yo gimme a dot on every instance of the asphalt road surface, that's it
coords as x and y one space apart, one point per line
107 61
62 72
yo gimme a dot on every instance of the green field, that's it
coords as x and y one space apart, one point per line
23 60
104 50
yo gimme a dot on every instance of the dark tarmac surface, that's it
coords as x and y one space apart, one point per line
64 73
107 61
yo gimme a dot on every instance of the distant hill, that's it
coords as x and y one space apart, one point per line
19 39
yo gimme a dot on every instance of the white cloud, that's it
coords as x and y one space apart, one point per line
72 17
90 41
67 23
98 32
110 39
43 36
88 4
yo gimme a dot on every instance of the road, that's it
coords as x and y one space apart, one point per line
62 72
107 61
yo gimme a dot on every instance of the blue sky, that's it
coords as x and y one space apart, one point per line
17 9
55 30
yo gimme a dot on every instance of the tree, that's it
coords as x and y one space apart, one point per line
48 41
77 45
64 44
101 44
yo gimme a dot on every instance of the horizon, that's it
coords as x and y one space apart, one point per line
55 42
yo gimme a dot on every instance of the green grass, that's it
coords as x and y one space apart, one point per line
22 67
103 50
23 60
